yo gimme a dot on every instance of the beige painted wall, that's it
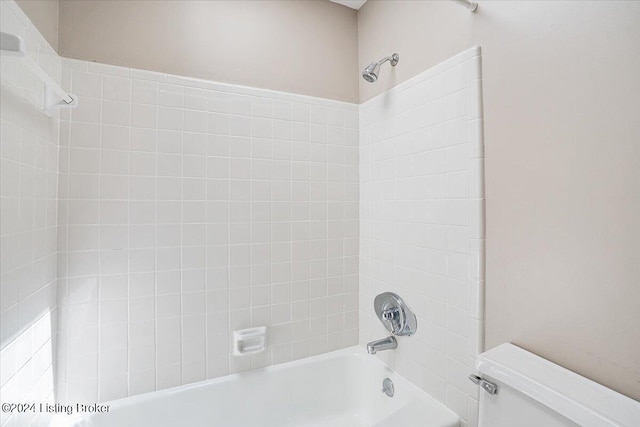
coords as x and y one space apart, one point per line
304 47
44 15
562 132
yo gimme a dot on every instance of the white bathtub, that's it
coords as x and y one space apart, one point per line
338 389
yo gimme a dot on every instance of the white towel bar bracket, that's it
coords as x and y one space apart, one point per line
52 102
55 97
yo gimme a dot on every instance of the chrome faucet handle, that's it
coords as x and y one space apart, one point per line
392 315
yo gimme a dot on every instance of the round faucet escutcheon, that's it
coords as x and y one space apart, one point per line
387 387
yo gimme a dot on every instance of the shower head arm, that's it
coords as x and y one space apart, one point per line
393 59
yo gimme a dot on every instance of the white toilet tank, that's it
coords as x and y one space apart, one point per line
534 392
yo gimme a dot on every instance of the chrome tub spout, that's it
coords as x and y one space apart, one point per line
388 343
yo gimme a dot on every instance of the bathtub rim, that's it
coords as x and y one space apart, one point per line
413 391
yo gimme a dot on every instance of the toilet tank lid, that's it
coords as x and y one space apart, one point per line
577 398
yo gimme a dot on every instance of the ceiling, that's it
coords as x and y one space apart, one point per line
353 4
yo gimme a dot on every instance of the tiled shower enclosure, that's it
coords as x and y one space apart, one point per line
141 229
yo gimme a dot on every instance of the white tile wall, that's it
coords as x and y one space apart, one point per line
422 224
190 209
28 206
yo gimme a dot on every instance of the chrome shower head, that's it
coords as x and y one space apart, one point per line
370 73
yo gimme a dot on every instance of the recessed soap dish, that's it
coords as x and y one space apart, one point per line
249 341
